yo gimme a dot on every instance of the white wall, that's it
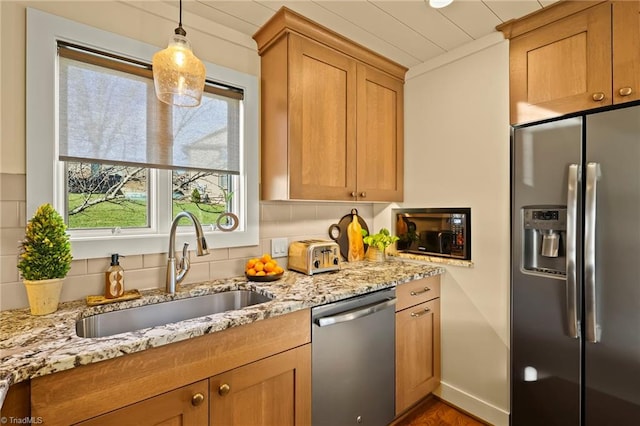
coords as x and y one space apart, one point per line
457 145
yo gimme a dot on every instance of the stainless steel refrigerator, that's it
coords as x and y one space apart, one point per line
575 275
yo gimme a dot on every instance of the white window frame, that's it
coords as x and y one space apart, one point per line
44 170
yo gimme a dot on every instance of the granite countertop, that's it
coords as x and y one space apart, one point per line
34 346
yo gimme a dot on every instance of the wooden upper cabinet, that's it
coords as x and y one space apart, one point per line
380 136
573 56
332 115
626 51
322 128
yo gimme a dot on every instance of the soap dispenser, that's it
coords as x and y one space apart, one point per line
114 279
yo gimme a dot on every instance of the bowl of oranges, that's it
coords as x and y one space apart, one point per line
263 268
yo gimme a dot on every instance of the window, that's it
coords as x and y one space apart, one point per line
121 164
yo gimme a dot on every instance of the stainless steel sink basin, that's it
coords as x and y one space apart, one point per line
140 317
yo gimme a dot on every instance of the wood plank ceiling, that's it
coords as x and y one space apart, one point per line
406 31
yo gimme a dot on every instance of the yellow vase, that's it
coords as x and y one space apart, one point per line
43 295
376 255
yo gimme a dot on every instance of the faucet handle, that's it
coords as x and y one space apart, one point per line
184 260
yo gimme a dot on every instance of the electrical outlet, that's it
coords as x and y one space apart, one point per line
279 247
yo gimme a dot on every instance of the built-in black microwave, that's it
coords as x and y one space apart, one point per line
443 232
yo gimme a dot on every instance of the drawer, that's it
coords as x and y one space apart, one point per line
415 292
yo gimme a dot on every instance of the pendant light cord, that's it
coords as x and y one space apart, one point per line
180 30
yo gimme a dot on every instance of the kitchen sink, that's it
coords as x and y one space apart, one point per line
110 323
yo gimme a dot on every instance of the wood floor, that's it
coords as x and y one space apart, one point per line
434 412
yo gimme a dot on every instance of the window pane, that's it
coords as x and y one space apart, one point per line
206 195
106 196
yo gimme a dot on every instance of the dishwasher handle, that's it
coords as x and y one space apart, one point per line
356 313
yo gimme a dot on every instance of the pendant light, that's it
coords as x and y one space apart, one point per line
438 4
178 75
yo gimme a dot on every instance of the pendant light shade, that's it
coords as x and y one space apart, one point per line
178 75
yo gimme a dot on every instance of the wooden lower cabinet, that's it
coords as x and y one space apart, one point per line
266 364
417 344
186 406
274 391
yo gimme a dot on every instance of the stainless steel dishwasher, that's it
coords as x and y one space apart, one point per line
353 361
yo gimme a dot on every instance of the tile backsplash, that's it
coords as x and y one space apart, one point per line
293 220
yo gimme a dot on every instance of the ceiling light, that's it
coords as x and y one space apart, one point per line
178 75
437 4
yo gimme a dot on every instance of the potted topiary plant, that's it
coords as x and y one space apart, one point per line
45 259
378 244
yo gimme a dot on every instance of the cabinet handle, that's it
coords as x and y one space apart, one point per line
419 292
354 194
625 91
420 313
598 96
197 399
224 389
363 194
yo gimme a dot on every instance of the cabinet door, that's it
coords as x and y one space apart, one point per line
322 128
273 391
187 405
417 353
380 118
626 51
562 67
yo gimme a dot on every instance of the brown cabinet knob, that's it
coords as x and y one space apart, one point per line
197 399
625 91
353 194
598 96
224 389
363 194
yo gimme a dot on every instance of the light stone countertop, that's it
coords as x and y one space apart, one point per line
34 346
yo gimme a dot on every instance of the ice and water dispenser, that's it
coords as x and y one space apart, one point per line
544 237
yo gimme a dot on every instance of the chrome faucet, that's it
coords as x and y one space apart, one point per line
175 275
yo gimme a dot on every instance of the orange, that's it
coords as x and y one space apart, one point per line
278 270
259 266
251 271
260 273
251 262
271 273
269 266
265 258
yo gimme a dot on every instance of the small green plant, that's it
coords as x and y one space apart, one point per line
195 196
381 240
45 252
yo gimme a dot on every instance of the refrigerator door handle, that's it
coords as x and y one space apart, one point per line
572 212
592 327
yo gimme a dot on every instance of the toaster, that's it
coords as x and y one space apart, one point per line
314 256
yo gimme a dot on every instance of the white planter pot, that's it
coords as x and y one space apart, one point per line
43 295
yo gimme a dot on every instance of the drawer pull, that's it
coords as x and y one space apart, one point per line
224 389
419 292
625 91
363 194
598 96
197 399
420 313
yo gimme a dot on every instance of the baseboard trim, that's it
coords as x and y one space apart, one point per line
476 407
